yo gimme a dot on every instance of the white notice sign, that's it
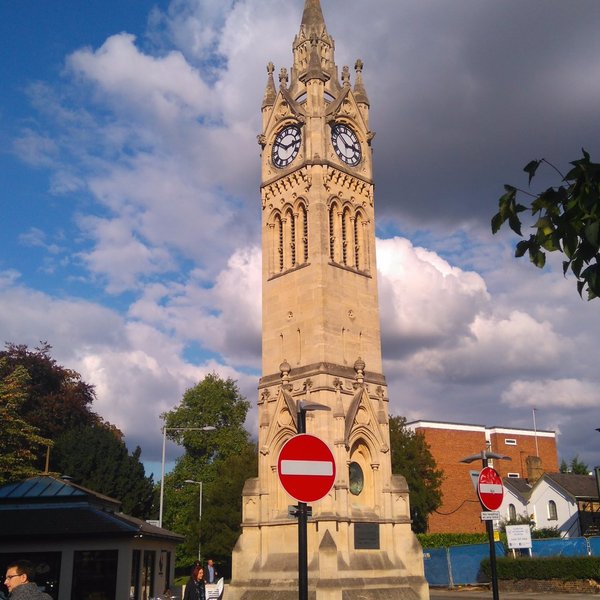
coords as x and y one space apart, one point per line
518 536
490 515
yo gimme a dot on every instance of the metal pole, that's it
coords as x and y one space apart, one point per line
162 478
302 529
537 450
199 526
490 531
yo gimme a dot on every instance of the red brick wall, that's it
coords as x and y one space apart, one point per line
525 447
460 505
460 510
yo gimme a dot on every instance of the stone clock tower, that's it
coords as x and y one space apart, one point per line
321 343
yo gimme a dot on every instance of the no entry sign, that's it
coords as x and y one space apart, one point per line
306 468
490 488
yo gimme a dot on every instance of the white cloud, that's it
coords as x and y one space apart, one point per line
424 300
166 88
566 394
153 142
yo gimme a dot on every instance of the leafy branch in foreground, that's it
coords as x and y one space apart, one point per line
568 221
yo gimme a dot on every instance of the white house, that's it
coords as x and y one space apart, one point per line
566 501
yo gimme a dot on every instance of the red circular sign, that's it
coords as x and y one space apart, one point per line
306 468
490 488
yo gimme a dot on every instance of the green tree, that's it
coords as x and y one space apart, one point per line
56 399
20 444
567 220
412 458
575 465
220 459
96 457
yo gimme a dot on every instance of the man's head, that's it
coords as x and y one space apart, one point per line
18 573
209 562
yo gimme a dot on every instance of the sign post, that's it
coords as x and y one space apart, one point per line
306 470
491 492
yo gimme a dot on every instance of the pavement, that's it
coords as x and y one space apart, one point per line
480 593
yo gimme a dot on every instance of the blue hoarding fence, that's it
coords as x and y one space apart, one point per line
461 565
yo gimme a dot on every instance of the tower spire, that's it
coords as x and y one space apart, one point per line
312 17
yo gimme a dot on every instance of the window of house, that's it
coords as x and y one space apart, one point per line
510 442
94 574
512 512
513 475
552 512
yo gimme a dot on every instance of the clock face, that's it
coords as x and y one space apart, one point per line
346 144
286 146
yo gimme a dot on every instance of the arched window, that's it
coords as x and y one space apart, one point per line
289 240
279 239
552 512
304 218
512 512
335 233
347 237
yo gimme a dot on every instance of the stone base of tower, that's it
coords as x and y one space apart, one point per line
265 564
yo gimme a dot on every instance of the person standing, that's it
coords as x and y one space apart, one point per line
211 572
19 581
195 588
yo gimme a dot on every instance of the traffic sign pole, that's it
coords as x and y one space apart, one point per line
302 530
306 469
490 531
490 491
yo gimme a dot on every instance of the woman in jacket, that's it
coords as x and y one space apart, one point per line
195 588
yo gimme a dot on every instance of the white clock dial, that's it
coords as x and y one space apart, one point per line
286 146
346 144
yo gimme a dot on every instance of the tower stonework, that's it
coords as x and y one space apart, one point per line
321 343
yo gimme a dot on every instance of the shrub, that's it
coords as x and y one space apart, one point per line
443 540
554 567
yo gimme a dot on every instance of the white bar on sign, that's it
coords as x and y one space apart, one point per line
490 488
306 467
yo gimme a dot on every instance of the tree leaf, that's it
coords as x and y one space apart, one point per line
531 168
592 233
537 257
521 248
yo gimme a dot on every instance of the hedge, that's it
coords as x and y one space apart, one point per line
554 567
443 540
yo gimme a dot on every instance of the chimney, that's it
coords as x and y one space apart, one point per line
534 468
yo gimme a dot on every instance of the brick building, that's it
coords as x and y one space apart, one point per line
450 442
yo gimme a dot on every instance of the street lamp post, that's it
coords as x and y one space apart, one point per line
484 456
164 446
199 483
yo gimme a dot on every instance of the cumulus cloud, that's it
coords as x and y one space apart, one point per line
150 142
567 394
424 300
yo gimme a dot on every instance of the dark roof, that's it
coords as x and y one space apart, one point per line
45 506
579 486
519 485
74 521
45 488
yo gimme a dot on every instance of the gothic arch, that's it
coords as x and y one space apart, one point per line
281 497
288 237
348 235
361 241
335 234
361 453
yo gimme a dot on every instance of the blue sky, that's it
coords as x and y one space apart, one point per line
129 176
